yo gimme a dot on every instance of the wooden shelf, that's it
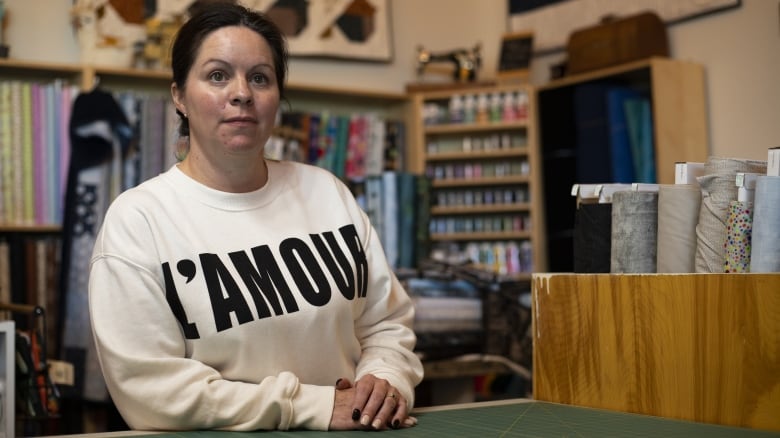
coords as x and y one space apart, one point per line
524 189
494 235
89 72
481 208
478 155
44 229
461 128
601 73
485 181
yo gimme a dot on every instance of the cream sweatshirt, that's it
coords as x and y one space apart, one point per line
214 310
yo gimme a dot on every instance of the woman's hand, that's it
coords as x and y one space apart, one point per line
371 404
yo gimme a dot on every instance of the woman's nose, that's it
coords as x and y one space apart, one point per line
241 93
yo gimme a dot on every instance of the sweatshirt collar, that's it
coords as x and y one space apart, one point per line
199 192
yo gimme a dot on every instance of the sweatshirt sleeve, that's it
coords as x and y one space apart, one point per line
154 385
384 328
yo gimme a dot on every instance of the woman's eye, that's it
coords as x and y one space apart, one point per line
217 76
259 78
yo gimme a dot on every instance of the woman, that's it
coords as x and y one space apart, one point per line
233 292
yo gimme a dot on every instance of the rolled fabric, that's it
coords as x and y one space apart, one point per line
765 251
678 214
718 189
592 238
739 228
634 232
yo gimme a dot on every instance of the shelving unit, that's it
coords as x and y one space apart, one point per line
679 128
301 97
483 177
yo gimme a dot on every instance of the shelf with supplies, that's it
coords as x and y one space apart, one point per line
68 79
627 123
478 147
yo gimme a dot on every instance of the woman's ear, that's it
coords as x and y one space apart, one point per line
175 95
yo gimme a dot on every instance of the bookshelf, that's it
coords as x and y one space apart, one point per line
484 175
679 132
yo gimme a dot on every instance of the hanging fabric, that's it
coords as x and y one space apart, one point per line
100 139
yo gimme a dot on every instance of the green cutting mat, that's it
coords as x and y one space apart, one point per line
531 419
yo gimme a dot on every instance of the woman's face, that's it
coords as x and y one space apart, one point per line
231 95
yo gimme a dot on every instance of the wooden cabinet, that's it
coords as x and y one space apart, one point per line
697 347
484 176
678 128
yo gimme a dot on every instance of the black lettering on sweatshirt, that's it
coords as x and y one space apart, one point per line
172 296
264 281
296 255
333 257
223 301
262 276
350 235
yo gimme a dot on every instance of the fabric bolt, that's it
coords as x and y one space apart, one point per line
765 255
634 232
738 235
592 238
718 189
678 213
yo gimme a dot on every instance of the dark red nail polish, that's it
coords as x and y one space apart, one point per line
356 415
396 423
338 381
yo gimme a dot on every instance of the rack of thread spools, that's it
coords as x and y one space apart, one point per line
722 215
479 107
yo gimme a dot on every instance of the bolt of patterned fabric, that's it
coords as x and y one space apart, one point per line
765 254
678 213
739 228
634 232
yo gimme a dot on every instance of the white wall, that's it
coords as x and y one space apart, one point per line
740 50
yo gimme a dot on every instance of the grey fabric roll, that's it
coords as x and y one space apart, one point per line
678 214
634 232
718 189
765 251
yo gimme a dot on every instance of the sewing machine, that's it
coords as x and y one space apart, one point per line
466 61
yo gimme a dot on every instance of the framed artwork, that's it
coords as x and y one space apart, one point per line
351 29
552 21
515 55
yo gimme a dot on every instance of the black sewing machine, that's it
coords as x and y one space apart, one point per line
466 61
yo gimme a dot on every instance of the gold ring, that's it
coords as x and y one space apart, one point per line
391 395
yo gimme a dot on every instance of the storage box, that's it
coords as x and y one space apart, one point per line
617 41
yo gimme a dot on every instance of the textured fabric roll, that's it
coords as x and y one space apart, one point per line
592 238
678 214
765 255
718 189
634 232
739 228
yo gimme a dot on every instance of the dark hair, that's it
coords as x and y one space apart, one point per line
211 16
